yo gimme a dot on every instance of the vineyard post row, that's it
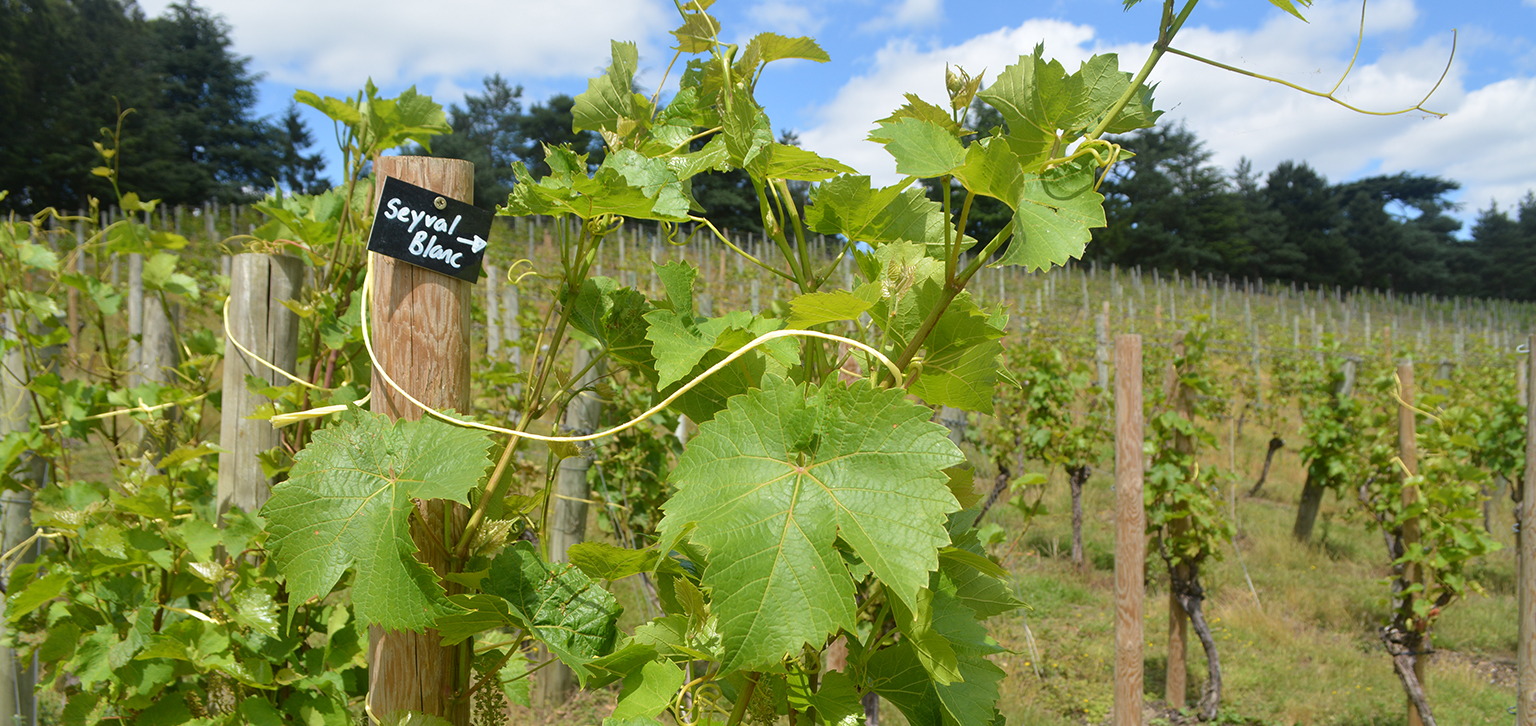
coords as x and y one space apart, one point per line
1342 312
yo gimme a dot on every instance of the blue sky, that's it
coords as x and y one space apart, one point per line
881 48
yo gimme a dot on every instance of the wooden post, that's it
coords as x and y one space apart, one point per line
1525 546
1101 346
568 511
1130 532
18 701
258 319
1408 451
135 314
492 313
159 355
955 420
421 328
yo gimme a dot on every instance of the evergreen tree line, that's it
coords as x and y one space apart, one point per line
68 66
1169 208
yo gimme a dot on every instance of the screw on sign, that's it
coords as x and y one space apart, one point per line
419 226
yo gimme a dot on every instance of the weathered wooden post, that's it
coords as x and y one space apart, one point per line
1525 546
568 511
492 313
259 321
1101 346
18 702
135 315
421 324
159 354
1130 532
955 420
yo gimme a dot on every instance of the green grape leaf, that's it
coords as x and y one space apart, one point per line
477 613
1053 211
836 700
515 685
931 647
648 690
615 317
959 362
797 164
608 97
730 332
652 177
922 148
963 576
1051 221
677 280
603 561
36 593
748 136
1102 85
780 474
1290 7
898 675
697 33
558 604
848 206
962 484
676 343
920 110
769 47
1036 97
620 663
347 504
815 308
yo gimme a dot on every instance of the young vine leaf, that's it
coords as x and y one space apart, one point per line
784 471
899 675
347 503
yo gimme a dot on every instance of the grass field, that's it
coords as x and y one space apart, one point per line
1305 651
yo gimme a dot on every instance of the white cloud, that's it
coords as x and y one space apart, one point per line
786 17
1487 142
333 46
907 14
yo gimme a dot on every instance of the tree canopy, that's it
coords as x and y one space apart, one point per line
68 67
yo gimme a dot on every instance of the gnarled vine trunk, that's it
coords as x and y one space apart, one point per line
1077 476
1306 510
1405 647
1275 444
1184 583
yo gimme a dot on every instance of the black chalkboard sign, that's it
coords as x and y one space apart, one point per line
430 230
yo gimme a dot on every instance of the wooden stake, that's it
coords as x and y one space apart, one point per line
1408 451
421 323
1130 532
1525 546
18 702
568 511
492 313
258 285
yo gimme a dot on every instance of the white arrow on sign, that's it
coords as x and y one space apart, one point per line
475 244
